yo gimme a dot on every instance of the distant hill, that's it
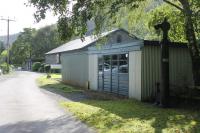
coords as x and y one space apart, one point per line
13 37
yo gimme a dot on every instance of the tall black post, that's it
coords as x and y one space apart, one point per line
164 26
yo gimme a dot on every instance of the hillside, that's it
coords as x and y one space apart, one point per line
13 37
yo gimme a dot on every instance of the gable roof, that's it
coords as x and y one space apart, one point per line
79 44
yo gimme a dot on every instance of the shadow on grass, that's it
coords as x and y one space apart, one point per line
68 92
60 87
127 110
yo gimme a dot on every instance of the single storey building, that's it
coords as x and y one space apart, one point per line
53 60
120 63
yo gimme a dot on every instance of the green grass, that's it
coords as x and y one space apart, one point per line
54 83
116 116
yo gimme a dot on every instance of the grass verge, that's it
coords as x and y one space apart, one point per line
54 83
116 116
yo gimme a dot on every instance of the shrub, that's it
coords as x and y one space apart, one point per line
36 66
43 64
4 67
47 68
41 69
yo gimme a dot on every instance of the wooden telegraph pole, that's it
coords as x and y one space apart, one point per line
164 93
8 39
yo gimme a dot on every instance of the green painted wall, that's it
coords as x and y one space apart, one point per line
179 65
75 68
52 59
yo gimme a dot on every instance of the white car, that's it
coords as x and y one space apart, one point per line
19 68
121 69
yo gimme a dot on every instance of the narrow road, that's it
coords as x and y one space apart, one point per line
24 108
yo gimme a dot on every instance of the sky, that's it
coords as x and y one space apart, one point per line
23 16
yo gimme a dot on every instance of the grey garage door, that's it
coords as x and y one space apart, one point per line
113 74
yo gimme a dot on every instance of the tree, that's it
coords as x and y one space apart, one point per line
33 44
140 22
3 56
2 48
45 39
3 64
21 49
75 21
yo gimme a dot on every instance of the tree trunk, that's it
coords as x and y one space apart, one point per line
192 42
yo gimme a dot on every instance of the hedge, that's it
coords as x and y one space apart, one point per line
36 66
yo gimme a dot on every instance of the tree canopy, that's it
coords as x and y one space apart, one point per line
33 44
106 13
45 39
2 48
21 48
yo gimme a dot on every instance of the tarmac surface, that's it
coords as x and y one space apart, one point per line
25 108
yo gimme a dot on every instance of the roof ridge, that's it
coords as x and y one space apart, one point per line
68 46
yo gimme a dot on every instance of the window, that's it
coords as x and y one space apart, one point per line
114 57
106 58
119 39
117 63
123 67
107 62
100 64
115 67
58 59
123 57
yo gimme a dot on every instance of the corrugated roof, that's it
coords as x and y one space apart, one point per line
79 44
171 44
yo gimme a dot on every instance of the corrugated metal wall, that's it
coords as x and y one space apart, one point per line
179 65
51 59
75 69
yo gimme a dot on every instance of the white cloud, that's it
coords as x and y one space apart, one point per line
23 15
